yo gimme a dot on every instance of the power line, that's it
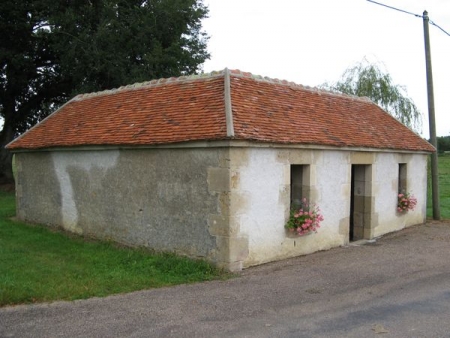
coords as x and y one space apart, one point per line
416 15
442 29
397 9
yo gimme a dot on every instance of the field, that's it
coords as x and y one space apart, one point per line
444 188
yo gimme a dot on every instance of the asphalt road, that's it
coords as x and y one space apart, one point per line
398 286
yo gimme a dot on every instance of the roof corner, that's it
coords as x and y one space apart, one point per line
228 105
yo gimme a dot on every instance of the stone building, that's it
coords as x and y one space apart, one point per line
209 165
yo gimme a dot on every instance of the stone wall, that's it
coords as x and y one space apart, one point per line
228 204
165 199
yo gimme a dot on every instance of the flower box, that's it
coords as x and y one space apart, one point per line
304 219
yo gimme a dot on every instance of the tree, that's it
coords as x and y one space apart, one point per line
443 143
365 79
56 49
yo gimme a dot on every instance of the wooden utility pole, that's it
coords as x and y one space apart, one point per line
432 121
431 116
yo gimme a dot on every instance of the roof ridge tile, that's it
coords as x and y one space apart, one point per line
239 73
214 74
151 83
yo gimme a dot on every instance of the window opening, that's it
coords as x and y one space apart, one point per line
402 174
299 184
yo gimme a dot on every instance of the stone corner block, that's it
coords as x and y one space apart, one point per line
232 249
219 225
231 267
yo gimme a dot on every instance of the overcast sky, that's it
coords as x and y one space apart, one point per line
312 42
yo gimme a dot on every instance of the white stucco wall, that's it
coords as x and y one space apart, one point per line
261 185
260 197
332 182
385 191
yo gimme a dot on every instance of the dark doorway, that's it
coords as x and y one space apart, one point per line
359 201
352 202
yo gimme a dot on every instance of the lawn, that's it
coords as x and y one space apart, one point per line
38 264
444 188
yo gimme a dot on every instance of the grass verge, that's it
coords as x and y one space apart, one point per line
444 188
41 265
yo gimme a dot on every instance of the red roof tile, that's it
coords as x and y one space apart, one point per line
193 108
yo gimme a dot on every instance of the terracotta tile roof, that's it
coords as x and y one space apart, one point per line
220 106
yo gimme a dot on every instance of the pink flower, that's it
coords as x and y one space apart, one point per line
304 219
406 202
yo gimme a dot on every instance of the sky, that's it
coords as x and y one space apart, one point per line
311 42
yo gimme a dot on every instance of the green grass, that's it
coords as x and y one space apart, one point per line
38 264
444 188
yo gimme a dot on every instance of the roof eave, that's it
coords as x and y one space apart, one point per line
228 142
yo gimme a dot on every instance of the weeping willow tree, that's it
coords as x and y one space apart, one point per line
366 79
